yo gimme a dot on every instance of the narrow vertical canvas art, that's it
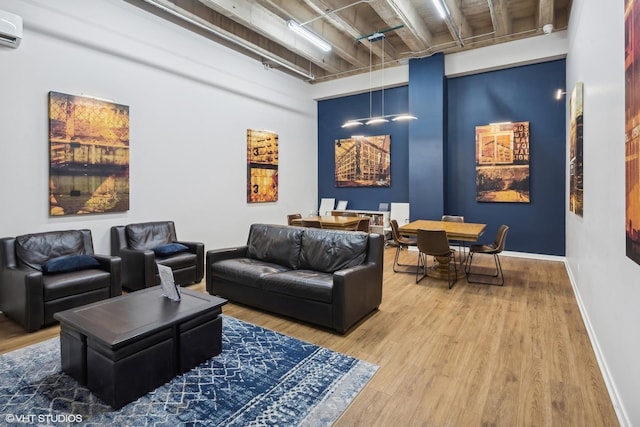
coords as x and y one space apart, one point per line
502 162
632 129
575 151
262 166
89 155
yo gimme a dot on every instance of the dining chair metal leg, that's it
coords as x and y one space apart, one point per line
498 271
421 264
396 263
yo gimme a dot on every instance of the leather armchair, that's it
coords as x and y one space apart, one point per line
135 244
31 291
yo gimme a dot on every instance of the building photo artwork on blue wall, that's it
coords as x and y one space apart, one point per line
89 155
502 162
363 161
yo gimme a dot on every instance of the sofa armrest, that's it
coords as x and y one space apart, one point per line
356 292
138 268
112 264
198 249
22 296
214 255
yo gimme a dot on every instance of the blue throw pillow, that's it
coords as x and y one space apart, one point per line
67 263
169 249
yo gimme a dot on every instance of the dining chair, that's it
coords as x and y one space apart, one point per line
291 217
460 244
401 242
435 243
494 249
311 223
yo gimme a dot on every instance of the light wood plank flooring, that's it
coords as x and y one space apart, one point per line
475 355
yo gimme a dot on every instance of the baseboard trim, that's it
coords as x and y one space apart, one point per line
543 257
621 413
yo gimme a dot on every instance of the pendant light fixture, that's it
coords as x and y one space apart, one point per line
382 118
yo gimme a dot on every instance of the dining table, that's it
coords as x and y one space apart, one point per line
465 231
332 222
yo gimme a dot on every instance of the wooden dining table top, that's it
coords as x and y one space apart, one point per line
467 231
331 221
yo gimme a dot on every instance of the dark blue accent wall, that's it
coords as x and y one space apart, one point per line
332 114
433 158
517 94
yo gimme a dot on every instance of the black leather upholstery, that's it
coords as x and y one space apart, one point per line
134 243
30 297
328 277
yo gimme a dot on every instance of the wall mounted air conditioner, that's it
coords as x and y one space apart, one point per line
10 29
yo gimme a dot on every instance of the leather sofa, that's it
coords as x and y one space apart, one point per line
330 278
43 273
139 247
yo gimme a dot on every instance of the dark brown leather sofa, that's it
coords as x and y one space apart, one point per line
138 245
43 273
330 278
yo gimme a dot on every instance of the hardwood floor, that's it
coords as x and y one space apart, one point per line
517 355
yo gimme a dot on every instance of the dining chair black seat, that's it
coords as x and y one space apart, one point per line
435 243
401 242
493 249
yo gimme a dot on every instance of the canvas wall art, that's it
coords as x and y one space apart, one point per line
632 130
363 161
89 155
502 162
262 166
575 150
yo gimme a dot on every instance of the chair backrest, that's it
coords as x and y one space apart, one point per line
400 212
501 238
433 242
342 204
291 217
453 218
326 206
313 223
363 225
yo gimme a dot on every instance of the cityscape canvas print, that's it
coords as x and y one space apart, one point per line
89 155
632 130
363 161
502 162
262 166
575 150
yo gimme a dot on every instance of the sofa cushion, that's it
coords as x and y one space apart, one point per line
305 284
33 250
169 249
68 263
244 270
275 243
149 235
331 250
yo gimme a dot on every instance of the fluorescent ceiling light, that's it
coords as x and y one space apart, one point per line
376 120
402 117
304 32
440 8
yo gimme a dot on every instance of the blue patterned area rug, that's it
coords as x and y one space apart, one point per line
261 378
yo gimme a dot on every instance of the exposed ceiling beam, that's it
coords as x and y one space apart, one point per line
545 13
351 22
457 23
268 24
414 32
499 17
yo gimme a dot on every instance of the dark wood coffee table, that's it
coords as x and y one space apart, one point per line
124 347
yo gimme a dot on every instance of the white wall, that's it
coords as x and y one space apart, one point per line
607 283
191 102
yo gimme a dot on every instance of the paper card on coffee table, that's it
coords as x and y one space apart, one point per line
169 287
